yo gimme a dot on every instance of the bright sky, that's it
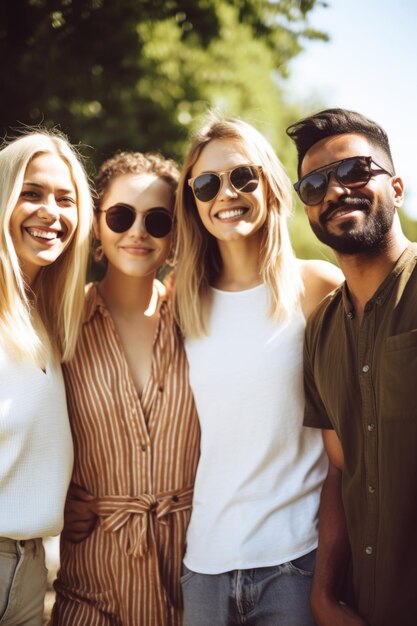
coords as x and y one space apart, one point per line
370 66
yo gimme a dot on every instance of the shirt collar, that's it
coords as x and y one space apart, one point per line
383 290
93 301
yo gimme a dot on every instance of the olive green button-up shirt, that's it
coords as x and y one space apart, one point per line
361 381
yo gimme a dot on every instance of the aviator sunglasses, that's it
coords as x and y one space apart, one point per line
157 221
352 173
243 178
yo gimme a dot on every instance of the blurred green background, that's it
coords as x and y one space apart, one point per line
139 74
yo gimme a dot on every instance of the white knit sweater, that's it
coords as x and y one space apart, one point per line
36 451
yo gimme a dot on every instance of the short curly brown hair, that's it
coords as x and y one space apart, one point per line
134 163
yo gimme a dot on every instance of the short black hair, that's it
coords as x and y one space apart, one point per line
308 131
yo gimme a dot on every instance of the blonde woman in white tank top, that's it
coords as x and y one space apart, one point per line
242 299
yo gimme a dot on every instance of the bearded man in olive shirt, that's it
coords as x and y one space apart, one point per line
361 373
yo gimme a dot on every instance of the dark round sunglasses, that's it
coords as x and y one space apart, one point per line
353 173
244 178
121 217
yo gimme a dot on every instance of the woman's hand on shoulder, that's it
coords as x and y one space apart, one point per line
319 279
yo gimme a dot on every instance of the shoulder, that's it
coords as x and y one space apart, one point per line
325 324
319 279
91 301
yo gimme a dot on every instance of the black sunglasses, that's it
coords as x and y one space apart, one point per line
157 221
352 173
244 178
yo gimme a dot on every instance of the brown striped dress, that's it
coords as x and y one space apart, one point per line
139 457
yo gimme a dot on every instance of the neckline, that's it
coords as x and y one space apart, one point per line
240 291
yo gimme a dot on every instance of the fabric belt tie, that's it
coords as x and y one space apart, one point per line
140 512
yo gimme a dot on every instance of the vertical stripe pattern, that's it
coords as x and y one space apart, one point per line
139 457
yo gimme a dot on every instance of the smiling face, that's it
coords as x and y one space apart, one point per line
231 215
45 217
352 220
134 252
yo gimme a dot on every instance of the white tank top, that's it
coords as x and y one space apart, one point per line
260 472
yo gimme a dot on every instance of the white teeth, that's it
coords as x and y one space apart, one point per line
43 234
224 215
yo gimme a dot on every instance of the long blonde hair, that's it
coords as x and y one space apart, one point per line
197 253
57 293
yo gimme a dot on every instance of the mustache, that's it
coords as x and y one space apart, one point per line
354 202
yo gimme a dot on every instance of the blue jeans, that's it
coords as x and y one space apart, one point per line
265 596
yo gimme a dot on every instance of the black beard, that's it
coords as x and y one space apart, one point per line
372 235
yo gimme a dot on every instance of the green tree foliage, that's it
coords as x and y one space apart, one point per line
134 74
138 74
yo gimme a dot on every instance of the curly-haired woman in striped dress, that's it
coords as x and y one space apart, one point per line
136 435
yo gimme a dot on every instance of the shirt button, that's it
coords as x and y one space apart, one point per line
371 489
160 389
369 550
350 315
371 427
143 448
365 369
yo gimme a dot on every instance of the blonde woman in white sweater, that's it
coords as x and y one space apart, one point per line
45 218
